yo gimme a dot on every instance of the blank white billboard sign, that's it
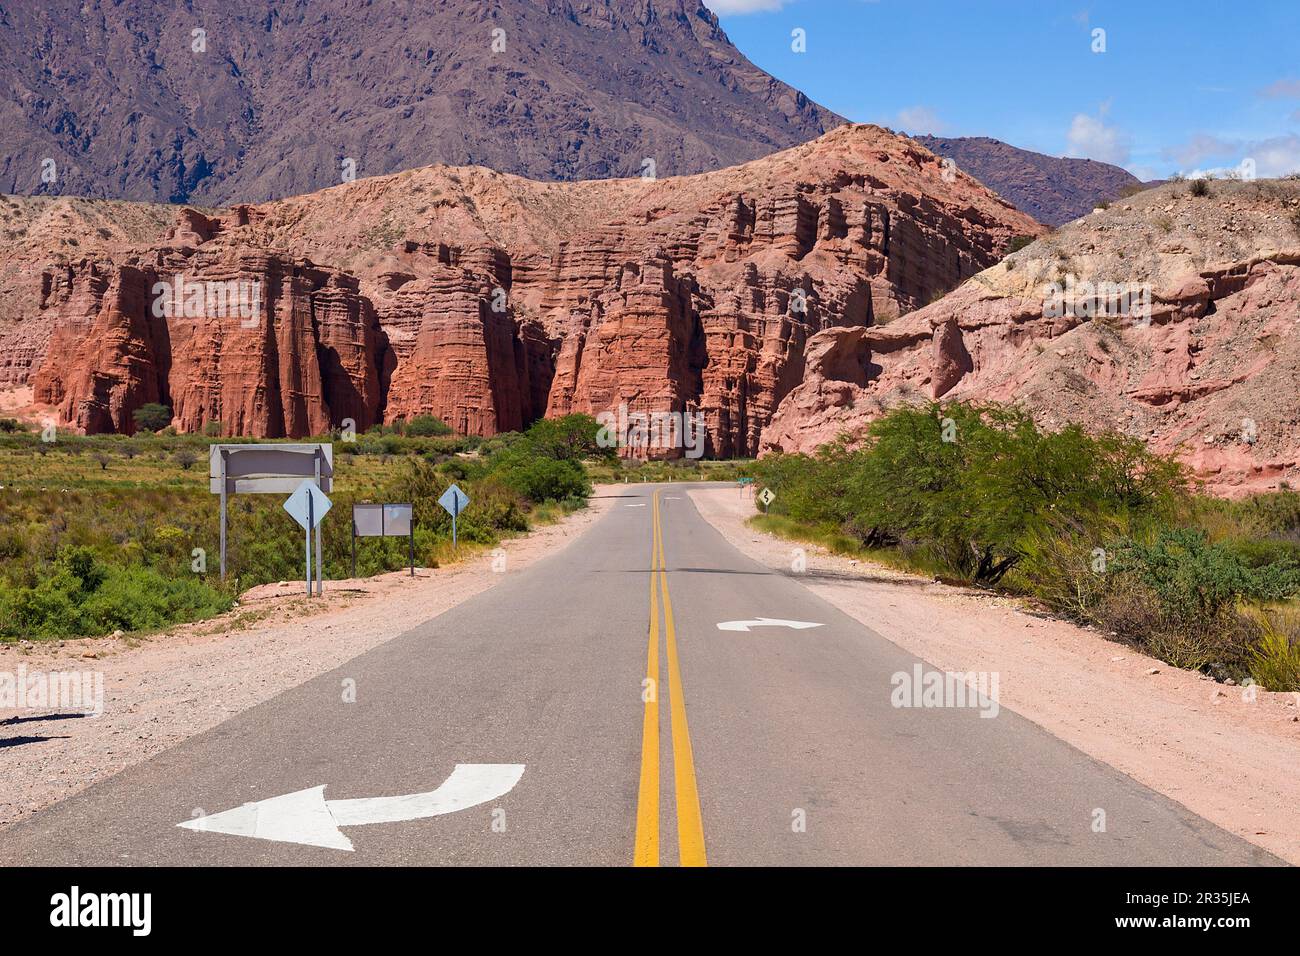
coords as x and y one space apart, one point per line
376 521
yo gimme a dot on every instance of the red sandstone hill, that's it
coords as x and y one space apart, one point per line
487 299
1213 376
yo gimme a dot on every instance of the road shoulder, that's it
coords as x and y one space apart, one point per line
1227 758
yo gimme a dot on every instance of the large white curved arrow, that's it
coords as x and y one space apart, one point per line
765 622
307 817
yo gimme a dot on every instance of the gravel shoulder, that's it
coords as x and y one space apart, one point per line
1226 755
160 690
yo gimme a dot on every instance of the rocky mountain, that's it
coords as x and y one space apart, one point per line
483 298
1170 316
1054 190
223 101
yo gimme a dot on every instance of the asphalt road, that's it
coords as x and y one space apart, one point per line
643 739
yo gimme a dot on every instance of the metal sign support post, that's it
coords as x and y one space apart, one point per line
311 520
320 572
454 515
354 543
411 540
223 516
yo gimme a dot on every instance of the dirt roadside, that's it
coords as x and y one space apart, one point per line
1207 746
166 688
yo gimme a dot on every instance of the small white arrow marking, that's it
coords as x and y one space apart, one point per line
765 622
307 817
635 506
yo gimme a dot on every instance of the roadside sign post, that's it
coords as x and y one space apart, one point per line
320 578
453 501
384 521
222 477
307 506
268 468
311 523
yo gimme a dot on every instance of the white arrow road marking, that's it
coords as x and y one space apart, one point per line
764 622
642 505
307 817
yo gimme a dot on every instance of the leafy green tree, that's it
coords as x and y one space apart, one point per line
426 426
152 417
569 438
545 479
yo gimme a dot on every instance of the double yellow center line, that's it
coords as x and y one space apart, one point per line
690 828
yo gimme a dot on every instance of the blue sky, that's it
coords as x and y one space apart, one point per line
1181 87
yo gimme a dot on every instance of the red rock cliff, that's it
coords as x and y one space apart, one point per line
489 300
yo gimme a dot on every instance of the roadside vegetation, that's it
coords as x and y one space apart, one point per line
109 532
615 470
1091 526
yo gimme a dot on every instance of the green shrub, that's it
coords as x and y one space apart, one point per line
1017 243
133 598
1274 660
569 438
82 564
971 488
425 426
1193 581
152 417
544 479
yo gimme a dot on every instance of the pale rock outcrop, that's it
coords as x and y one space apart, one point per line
1211 372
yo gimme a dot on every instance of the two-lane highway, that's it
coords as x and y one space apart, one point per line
604 718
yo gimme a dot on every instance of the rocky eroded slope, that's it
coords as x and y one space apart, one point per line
1210 370
1053 189
224 101
486 299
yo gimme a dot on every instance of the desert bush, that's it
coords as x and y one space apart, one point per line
1095 527
1194 581
426 426
80 595
569 438
543 479
152 417
974 488
1017 243
1191 650
1199 187
1274 657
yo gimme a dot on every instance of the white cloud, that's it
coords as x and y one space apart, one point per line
1277 156
726 8
1199 148
920 120
1090 138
